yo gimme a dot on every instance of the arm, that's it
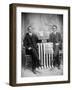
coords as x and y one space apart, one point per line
50 38
26 42
37 39
60 41
58 44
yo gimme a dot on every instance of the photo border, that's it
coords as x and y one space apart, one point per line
12 63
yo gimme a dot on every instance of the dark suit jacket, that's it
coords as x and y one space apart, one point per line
30 41
56 38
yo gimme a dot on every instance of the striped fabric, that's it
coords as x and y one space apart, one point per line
46 54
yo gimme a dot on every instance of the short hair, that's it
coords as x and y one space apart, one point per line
28 27
54 26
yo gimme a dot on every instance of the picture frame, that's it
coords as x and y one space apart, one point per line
60 15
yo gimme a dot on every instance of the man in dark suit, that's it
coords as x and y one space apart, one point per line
30 43
56 39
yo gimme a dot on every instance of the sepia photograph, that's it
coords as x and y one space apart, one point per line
39 44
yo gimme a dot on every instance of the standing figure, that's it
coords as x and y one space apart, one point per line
30 43
56 39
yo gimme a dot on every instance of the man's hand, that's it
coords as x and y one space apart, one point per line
29 48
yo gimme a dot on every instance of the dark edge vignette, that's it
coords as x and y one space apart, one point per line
13 44
12 62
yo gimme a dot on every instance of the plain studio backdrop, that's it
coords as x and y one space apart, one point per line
4 45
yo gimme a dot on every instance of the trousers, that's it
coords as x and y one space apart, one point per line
35 58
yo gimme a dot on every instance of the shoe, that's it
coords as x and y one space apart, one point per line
34 71
58 67
38 68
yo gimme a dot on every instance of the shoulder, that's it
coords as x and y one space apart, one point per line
35 35
51 34
57 32
27 34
